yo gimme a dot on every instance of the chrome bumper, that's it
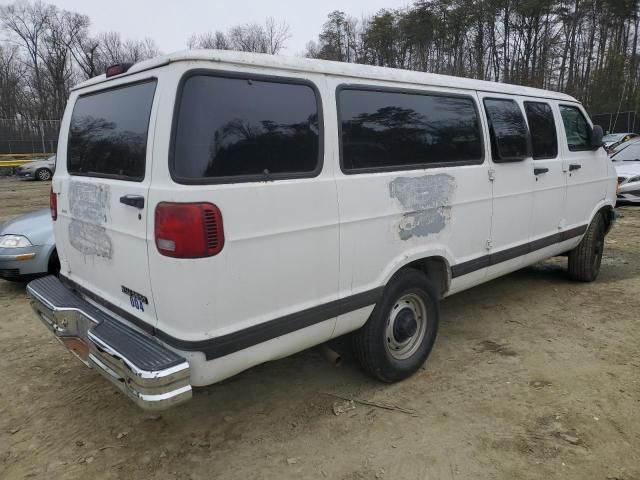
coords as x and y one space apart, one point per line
153 376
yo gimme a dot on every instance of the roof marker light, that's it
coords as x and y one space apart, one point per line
117 69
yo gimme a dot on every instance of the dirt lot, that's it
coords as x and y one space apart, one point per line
533 376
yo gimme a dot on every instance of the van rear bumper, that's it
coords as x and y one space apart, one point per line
149 373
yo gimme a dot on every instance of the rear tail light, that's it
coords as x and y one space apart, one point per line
188 230
53 204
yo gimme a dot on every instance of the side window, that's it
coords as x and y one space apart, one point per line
508 130
576 128
395 130
544 140
245 129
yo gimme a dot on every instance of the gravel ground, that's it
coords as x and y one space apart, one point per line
532 376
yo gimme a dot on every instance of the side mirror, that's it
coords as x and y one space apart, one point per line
596 137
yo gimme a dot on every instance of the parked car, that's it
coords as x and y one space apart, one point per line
626 159
628 180
38 169
27 247
612 140
211 205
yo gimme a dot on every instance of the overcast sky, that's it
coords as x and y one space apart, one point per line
171 22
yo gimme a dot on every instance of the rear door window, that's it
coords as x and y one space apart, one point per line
544 141
108 132
245 129
509 142
576 128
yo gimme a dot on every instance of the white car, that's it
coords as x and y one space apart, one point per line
216 210
628 181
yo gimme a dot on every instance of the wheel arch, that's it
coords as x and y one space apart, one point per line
435 267
609 215
53 261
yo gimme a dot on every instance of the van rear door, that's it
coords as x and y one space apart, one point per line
102 184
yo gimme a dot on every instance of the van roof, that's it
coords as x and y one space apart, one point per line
353 70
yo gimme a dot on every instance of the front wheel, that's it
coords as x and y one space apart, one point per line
585 259
401 331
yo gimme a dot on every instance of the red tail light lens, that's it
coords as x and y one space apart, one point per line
188 230
53 205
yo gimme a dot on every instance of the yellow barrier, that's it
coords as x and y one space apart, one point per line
30 155
12 163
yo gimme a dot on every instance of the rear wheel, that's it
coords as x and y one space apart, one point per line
43 174
401 331
585 259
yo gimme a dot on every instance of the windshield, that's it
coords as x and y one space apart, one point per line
108 132
628 153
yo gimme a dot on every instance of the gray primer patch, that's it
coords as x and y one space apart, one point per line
426 201
89 204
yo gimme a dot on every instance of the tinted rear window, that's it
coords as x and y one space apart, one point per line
108 132
388 130
240 129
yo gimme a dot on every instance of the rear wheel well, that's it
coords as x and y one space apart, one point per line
54 263
436 269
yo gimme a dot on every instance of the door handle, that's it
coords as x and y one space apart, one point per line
133 201
539 170
574 166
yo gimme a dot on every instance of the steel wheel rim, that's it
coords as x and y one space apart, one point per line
409 306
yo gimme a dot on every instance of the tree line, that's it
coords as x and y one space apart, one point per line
587 48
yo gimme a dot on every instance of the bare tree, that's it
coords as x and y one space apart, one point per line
276 34
26 25
11 75
86 52
217 41
250 37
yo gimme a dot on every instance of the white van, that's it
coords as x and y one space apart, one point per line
216 210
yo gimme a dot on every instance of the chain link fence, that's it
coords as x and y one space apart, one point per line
25 136
620 122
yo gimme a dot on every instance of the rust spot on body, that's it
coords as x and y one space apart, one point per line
89 204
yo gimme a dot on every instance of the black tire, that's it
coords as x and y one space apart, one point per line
585 259
380 355
43 174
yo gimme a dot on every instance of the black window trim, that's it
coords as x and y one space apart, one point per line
586 119
256 178
409 91
490 129
114 176
555 127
